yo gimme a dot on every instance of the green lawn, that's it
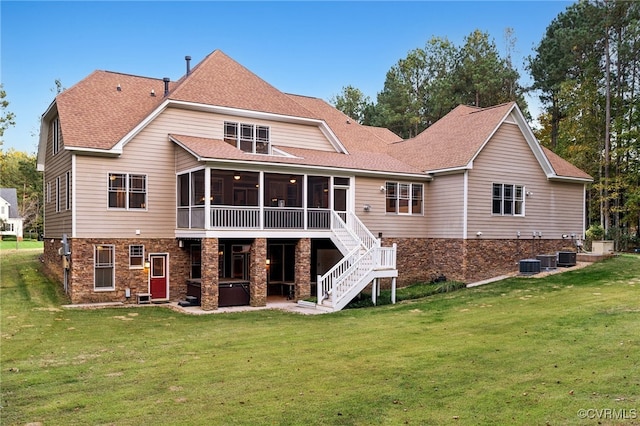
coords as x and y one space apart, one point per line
522 351
7 245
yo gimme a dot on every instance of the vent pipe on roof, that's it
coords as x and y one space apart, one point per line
166 85
188 59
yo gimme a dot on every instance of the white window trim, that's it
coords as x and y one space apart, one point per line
55 132
254 138
128 191
58 194
113 267
141 266
514 200
48 195
410 199
67 191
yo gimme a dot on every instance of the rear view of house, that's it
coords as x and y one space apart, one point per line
220 188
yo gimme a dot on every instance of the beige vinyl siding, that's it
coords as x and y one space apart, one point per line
208 125
150 153
377 220
185 160
57 223
553 208
445 210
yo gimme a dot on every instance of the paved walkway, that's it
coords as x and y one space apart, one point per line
277 303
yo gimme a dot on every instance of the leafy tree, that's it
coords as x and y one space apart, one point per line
430 82
587 71
18 170
483 78
353 103
7 118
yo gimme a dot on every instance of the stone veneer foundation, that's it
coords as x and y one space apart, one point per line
418 260
422 260
81 268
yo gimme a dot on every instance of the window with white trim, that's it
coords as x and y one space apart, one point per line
58 194
136 256
104 267
404 198
55 135
127 191
67 188
507 200
48 194
250 138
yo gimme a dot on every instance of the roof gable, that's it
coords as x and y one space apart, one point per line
454 141
99 110
10 196
219 80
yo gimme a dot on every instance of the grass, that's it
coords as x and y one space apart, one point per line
26 244
521 351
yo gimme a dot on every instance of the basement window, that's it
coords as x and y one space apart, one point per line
104 267
136 256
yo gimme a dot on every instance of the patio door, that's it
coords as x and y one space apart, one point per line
158 277
341 196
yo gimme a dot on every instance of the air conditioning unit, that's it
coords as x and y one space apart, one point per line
566 258
529 266
547 261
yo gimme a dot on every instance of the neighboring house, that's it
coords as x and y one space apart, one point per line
220 187
10 220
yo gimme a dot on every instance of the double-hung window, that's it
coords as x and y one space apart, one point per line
246 137
136 256
404 198
507 200
104 267
127 191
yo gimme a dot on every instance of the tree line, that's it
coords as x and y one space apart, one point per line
586 73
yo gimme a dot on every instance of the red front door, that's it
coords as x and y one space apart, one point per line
158 282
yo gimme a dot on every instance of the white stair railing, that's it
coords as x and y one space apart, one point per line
356 269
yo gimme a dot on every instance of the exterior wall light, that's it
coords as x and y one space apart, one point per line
366 207
147 265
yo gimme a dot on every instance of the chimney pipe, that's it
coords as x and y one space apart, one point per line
166 85
188 59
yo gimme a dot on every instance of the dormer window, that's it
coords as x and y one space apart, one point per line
250 138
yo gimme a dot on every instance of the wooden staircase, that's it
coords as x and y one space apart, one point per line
365 261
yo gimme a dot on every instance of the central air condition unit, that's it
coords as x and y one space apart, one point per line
529 266
547 261
566 258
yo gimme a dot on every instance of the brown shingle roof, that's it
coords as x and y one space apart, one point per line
94 114
562 167
354 136
219 80
206 148
452 141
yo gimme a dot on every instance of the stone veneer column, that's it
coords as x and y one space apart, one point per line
303 269
209 272
258 273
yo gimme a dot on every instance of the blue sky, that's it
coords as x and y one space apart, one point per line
306 48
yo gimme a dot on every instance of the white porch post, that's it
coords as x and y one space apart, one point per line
374 291
207 198
262 188
393 290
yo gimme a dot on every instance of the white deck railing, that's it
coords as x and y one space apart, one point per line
249 217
